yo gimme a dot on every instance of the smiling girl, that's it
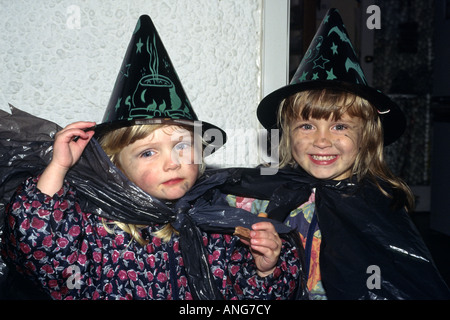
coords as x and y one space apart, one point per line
334 186
335 135
332 135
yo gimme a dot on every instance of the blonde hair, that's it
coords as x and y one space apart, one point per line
326 103
112 143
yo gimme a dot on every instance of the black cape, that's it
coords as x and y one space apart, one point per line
26 145
364 235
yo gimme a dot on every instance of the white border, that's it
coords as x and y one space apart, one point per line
275 45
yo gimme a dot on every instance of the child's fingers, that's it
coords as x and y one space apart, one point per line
263 238
76 130
263 234
270 244
84 126
264 230
70 143
264 225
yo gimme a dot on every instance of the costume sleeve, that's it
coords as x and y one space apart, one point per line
42 235
233 262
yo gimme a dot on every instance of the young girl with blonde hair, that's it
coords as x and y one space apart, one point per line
333 185
132 216
333 105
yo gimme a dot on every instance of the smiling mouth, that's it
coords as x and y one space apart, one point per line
323 159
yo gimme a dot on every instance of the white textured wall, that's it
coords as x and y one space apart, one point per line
62 66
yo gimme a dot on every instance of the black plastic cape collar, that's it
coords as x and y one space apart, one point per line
26 149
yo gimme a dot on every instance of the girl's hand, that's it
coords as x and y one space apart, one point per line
265 245
69 144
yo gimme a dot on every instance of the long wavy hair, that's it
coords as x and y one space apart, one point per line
112 143
326 103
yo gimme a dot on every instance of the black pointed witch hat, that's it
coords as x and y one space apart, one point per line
148 91
331 62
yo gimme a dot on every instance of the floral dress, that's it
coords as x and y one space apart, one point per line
71 255
303 220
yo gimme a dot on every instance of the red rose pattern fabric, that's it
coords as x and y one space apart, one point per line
71 255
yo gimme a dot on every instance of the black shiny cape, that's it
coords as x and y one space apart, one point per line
26 144
364 235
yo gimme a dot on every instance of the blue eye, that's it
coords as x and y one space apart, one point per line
340 127
306 126
182 146
147 154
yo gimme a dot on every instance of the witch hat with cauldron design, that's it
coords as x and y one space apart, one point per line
331 62
148 91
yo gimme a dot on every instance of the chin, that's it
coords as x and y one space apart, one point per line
323 176
174 196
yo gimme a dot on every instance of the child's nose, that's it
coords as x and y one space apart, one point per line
322 139
171 162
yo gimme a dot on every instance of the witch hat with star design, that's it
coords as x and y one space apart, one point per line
148 91
331 62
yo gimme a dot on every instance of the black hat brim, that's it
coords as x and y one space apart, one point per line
392 118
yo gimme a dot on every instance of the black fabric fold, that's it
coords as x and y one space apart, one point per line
360 228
